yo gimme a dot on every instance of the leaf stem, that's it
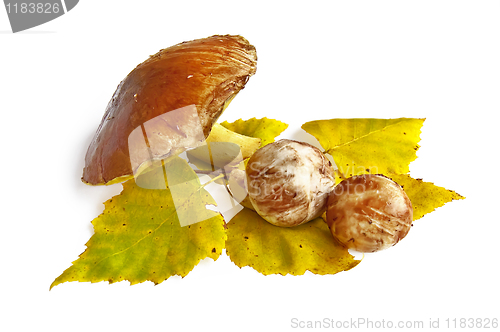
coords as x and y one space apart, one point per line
213 179
217 172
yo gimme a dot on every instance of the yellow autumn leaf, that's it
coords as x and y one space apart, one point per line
265 129
252 241
140 236
359 146
380 146
424 196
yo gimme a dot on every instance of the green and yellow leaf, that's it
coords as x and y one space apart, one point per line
360 146
252 241
424 196
139 235
265 129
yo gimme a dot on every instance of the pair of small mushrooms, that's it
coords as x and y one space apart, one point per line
291 183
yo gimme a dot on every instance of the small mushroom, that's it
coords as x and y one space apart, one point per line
167 105
369 212
289 182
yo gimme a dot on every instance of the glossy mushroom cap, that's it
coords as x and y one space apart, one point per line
167 104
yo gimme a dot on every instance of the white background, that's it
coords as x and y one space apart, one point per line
317 60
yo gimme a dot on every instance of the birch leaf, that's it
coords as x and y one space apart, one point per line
424 196
139 235
265 129
269 249
359 146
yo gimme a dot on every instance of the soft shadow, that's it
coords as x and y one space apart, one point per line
97 194
302 136
26 32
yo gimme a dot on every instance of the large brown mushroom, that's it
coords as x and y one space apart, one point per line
167 105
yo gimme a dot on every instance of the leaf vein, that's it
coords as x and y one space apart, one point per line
152 232
362 136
